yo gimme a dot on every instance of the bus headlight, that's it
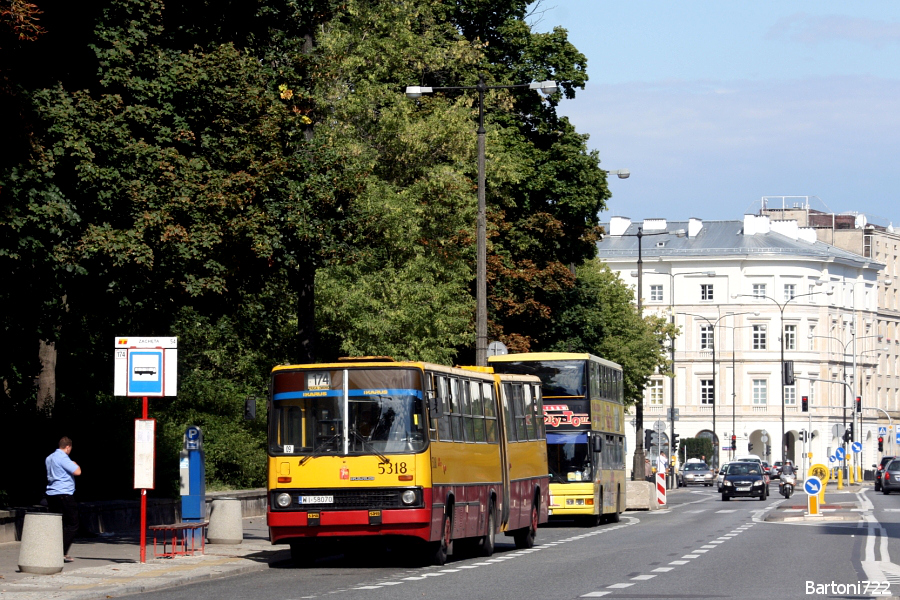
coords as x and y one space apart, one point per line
408 497
283 500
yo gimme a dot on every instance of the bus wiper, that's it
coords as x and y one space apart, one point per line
371 447
317 451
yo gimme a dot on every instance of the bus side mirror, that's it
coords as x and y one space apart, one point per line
250 408
597 442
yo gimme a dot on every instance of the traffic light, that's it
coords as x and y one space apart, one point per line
851 431
802 435
858 404
674 443
846 436
880 444
647 438
733 442
768 449
804 403
250 408
750 447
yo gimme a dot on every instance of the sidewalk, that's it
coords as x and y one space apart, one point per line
108 566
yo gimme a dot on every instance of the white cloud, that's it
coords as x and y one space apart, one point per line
815 29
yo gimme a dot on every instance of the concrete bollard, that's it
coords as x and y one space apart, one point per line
41 548
225 523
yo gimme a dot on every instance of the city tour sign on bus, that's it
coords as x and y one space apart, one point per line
145 366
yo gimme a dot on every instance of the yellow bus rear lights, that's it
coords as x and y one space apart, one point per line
589 501
284 480
405 477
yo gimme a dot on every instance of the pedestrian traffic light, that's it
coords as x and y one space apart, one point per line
804 403
858 404
750 447
250 408
880 444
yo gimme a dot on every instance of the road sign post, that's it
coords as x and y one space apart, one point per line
813 487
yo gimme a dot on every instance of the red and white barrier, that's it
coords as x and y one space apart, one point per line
661 480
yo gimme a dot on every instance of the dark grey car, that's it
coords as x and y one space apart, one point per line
890 479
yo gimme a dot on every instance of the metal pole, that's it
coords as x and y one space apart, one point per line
714 388
672 452
481 242
783 445
733 394
637 465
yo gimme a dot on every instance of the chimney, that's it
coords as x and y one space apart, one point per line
654 224
694 227
787 228
619 225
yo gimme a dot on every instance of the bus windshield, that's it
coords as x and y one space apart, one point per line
378 411
558 377
568 457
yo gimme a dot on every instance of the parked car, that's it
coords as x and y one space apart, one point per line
721 477
890 478
880 469
747 480
775 471
698 473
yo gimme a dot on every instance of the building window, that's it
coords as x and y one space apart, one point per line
656 392
656 293
790 290
790 395
790 337
706 391
759 337
706 291
706 337
760 391
759 291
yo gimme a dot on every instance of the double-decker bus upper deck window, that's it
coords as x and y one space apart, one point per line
559 377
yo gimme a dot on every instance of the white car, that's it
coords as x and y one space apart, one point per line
721 477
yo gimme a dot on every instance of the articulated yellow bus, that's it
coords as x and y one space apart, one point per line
585 420
373 447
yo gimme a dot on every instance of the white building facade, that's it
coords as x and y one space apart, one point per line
732 287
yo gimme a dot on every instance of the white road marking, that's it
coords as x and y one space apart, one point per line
663 569
619 586
643 577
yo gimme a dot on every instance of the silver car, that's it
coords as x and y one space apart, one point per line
697 473
890 479
721 477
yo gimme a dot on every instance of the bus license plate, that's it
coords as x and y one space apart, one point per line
316 499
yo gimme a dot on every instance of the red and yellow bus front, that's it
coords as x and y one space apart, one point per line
348 452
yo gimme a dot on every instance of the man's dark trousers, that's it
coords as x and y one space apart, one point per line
65 505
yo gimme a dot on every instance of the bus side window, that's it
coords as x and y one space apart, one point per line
443 397
531 426
595 388
477 405
517 406
456 425
490 412
466 401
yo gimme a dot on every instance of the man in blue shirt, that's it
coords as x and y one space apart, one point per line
61 472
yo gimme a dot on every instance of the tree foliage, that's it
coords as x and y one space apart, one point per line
214 170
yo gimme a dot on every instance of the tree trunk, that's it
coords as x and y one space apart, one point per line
46 380
304 284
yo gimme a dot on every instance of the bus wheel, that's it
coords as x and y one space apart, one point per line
488 543
439 549
525 537
614 516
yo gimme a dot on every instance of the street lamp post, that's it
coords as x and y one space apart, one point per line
781 306
672 275
713 326
637 464
415 91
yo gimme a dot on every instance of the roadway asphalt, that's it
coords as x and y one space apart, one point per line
109 565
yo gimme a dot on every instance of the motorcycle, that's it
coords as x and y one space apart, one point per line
786 485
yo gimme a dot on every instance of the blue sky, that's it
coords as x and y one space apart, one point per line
713 105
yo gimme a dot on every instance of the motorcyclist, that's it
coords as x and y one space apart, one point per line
788 469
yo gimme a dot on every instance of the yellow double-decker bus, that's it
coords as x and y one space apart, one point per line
584 418
372 447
